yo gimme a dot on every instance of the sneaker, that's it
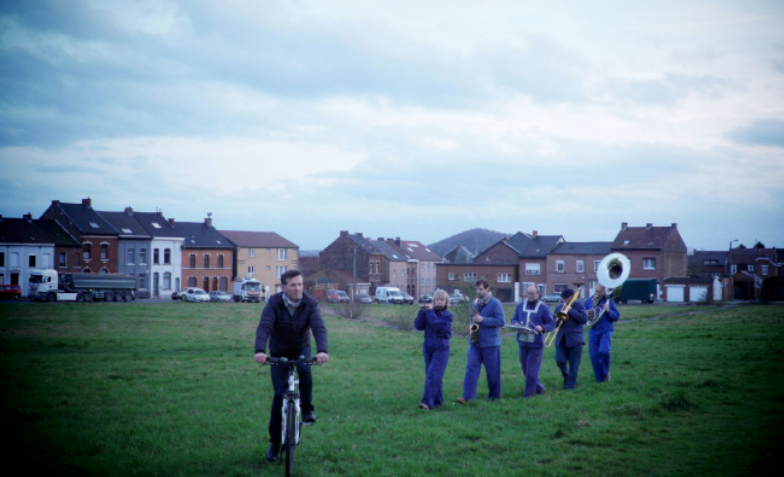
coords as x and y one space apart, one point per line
309 418
461 400
273 453
424 406
607 378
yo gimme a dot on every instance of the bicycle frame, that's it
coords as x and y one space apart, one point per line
291 396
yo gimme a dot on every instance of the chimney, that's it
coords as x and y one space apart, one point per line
129 210
648 226
344 233
55 202
624 225
88 202
208 221
397 241
675 225
171 222
28 217
381 239
359 234
536 233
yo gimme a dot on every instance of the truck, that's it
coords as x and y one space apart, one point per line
50 285
643 289
247 289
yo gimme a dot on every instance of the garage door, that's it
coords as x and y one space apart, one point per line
675 294
698 293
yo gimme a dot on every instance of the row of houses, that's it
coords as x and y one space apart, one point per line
164 254
742 270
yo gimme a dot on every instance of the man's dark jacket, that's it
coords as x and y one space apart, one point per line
289 335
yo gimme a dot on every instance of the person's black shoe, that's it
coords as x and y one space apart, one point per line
309 418
273 453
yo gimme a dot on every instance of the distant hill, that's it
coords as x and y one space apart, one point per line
475 240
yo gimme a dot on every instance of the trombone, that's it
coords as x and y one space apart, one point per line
563 317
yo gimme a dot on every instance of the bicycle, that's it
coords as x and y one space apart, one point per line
291 412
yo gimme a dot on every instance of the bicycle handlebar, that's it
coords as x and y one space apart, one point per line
285 361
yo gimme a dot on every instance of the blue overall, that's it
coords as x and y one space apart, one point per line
532 314
600 339
437 325
569 343
487 351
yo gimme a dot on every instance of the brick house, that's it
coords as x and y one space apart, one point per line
264 256
462 276
23 247
749 267
532 261
97 237
459 254
394 265
207 256
707 264
575 264
133 242
654 252
420 265
371 265
164 254
67 250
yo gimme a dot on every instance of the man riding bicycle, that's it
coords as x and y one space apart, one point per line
286 322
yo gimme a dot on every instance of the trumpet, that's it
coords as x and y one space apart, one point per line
563 317
473 330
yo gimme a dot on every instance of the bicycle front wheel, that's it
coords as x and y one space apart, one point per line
291 436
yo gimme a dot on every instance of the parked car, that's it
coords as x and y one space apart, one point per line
195 295
332 296
343 297
456 299
426 299
220 297
363 298
390 295
180 295
408 298
10 292
552 298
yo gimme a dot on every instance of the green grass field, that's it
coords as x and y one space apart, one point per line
171 389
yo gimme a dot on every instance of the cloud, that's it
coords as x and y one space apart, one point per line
666 90
762 132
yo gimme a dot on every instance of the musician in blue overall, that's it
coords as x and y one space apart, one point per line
600 336
570 339
488 313
436 321
533 314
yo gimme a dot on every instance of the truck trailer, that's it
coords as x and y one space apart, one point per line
49 285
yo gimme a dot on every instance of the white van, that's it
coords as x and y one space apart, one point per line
390 295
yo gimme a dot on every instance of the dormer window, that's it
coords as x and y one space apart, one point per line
127 231
156 225
626 242
94 225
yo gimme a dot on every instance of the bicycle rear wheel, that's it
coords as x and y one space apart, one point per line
291 436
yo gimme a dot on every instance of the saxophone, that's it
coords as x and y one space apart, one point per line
474 329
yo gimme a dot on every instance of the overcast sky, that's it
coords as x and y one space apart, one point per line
417 119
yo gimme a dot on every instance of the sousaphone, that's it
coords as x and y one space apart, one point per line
614 270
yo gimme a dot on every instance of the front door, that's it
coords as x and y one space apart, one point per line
156 290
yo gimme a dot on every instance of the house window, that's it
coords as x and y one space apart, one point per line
86 251
104 251
733 269
504 278
62 260
191 281
131 254
167 281
104 271
206 286
220 260
224 284
649 264
31 261
749 267
252 252
559 266
251 269
143 256
532 269
580 266
282 253
14 259
192 263
206 261
596 265
469 277
451 276
280 270
764 270
214 283
559 287
2 259
167 256
156 252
